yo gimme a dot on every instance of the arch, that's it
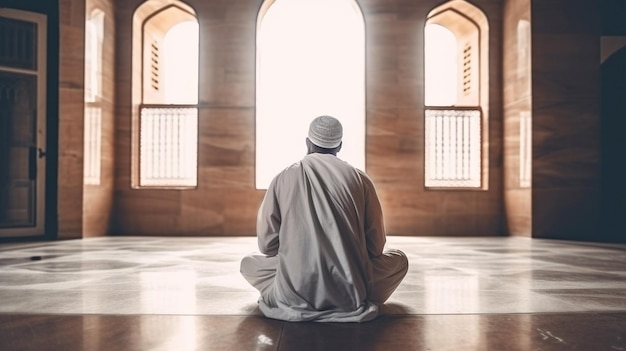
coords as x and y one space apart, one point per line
456 130
164 130
181 83
305 69
94 36
94 41
440 47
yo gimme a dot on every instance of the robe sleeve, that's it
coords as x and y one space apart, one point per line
268 222
375 236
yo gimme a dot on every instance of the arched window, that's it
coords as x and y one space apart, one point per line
525 120
456 97
94 36
165 56
310 62
441 66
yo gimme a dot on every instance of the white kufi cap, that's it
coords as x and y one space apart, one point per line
326 132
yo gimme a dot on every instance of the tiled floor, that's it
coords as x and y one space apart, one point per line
132 293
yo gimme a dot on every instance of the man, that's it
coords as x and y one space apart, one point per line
321 234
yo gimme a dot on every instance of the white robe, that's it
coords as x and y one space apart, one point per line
320 229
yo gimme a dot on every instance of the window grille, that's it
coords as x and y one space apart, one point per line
93 141
18 48
168 145
94 31
453 147
467 69
525 149
154 66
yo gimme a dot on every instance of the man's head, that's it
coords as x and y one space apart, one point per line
325 133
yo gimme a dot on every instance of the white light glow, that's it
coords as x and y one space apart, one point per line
310 62
441 71
180 66
169 134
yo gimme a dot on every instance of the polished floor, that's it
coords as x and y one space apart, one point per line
155 293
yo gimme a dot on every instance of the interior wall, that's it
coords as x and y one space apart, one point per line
98 199
565 110
613 146
517 103
71 122
395 128
566 119
226 201
613 56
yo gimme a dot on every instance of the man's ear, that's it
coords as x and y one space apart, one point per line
309 146
339 147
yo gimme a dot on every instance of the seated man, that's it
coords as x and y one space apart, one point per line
321 234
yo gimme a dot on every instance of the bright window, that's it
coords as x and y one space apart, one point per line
180 66
94 35
168 113
441 66
454 95
310 62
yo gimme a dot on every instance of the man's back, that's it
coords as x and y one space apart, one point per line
321 234
323 254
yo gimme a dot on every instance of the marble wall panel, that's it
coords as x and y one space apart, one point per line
488 223
382 94
407 214
151 201
241 211
97 205
566 213
512 159
150 224
215 121
568 136
98 199
405 121
224 151
518 212
226 137
227 58
202 214
517 101
566 121
392 163
71 78
154 212
124 110
229 177
72 14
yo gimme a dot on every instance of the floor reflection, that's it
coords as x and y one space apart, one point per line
452 294
126 293
168 291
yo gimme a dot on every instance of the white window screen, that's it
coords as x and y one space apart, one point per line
168 130
452 134
525 149
94 35
169 144
453 148
93 143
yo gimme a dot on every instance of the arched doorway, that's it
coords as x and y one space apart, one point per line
305 70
